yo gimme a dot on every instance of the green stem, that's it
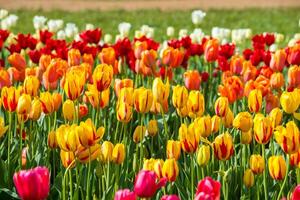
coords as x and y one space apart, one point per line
88 177
21 130
71 184
264 175
9 139
285 178
192 175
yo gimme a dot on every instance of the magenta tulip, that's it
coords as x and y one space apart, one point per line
33 184
208 188
296 193
125 194
170 197
146 184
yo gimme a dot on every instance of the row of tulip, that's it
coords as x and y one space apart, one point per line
127 120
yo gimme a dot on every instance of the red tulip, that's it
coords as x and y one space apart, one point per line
146 185
33 184
125 194
208 188
170 197
296 193
91 36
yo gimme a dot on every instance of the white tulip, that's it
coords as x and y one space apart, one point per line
292 42
182 33
150 33
61 35
297 36
279 37
9 21
71 30
198 16
77 37
124 29
89 27
107 38
3 13
197 35
273 47
170 31
39 22
55 24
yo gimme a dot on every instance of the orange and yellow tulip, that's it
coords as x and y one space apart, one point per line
223 146
170 169
143 99
255 100
74 84
188 139
192 79
102 76
180 96
10 97
278 60
68 110
31 85
263 128
277 167
118 154
257 164
243 121
173 149
195 104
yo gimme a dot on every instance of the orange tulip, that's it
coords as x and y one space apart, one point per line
148 62
108 56
17 61
74 57
278 59
211 50
232 88
119 84
293 76
236 64
57 98
139 47
88 58
172 57
44 62
277 80
192 79
4 78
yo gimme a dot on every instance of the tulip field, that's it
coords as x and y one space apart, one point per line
87 115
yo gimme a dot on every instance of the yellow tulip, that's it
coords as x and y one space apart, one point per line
10 97
86 155
126 95
102 76
47 102
203 155
221 106
288 138
24 104
202 126
243 121
195 104
152 128
157 167
52 141
228 119
31 85
246 137
107 151
160 90
170 169
255 100
68 110
188 138
139 134
277 167
67 138
87 134
118 154
36 109
215 123
3 128
183 112
248 178
223 146
263 128
74 84
124 112
276 115
173 149
257 164
143 99
180 96
67 159
289 101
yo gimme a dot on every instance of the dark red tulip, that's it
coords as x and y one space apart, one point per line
91 36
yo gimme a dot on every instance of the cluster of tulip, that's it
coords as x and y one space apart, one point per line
137 119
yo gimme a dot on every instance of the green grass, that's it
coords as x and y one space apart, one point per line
259 20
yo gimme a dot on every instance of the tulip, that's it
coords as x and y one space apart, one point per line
170 169
92 95
158 167
243 121
36 109
211 50
3 128
87 134
246 137
118 154
263 129
255 100
277 167
215 123
108 56
160 90
83 110
257 164
248 178
102 76
173 149
74 57
67 137
195 104
124 112
33 184
139 134
295 159
146 185
126 96
203 126
67 159
31 85
125 194
47 102
170 197
187 138
142 100
277 80
74 83
278 60
293 76
180 96
296 193
17 61
148 61
208 188
221 106
4 78
120 84
228 119
237 64
203 155
24 104
288 138
182 112
107 152
289 102
172 57
223 146
149 164
152 128
68 110
57 98
52 141
276 115
89 154
192 79
10 97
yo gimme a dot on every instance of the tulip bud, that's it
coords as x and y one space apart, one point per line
143 99
74 83
139 134
152 128
243 121
57 98
124 112
257 164
68 110
246 137
36 109
67 159
278 60
24 104
248 178
221 106
215 123
170 169
223 146
173 149
107 152
192 79
255 100
203 155
180 96
277 167
276 115
52 142
118 154
277 80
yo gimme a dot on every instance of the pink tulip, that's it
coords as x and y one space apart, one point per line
170 197
125 194
296 193
33 184
208 188
146 184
